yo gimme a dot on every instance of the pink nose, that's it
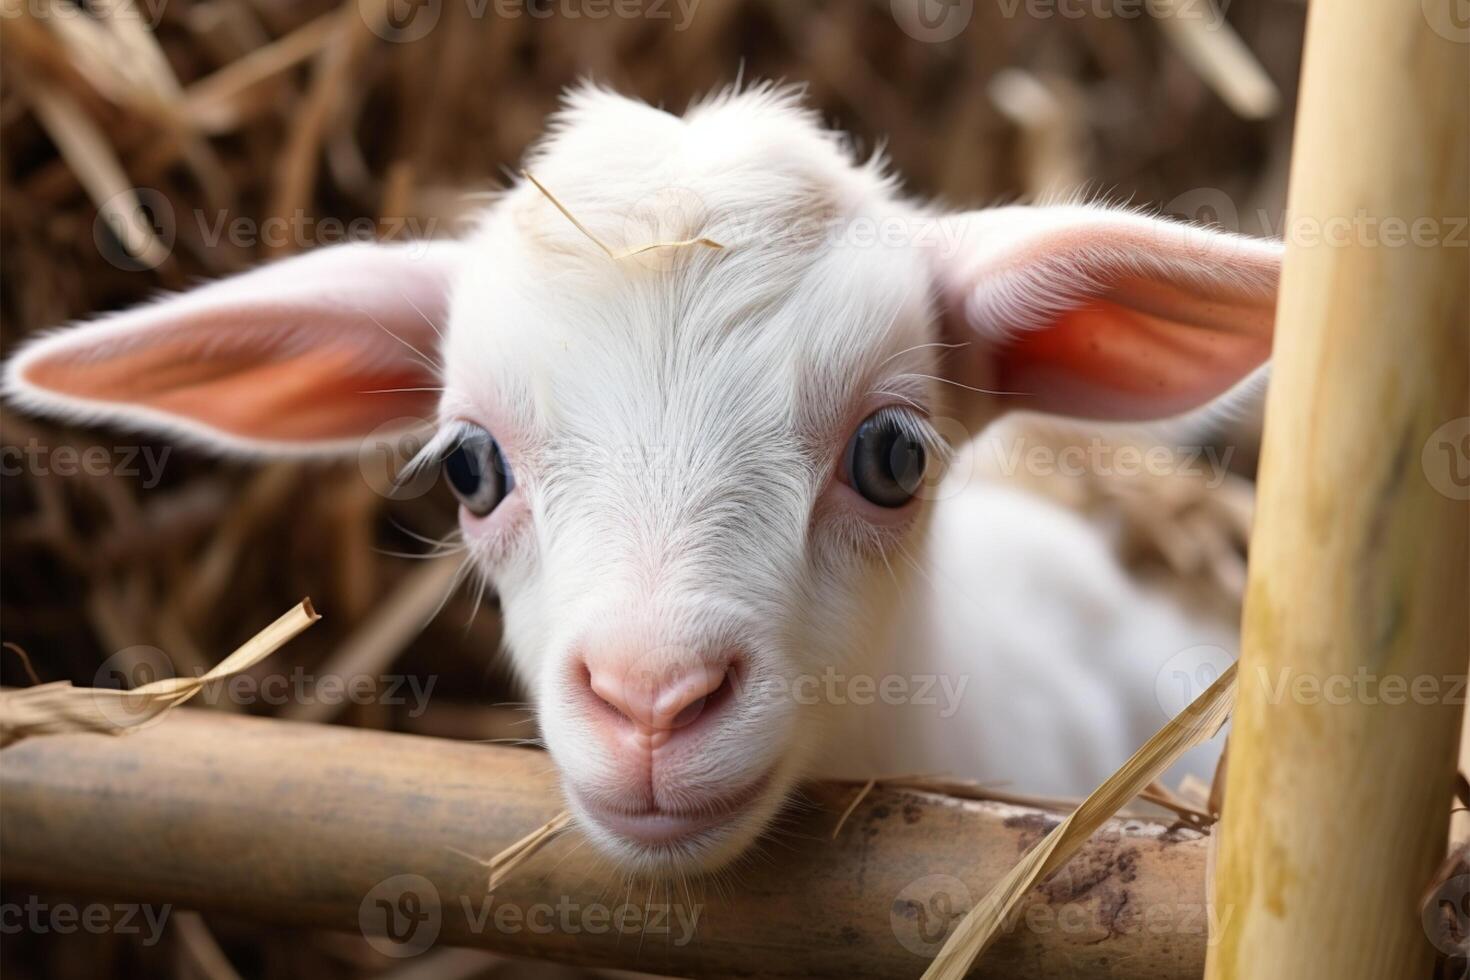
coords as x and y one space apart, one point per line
657 703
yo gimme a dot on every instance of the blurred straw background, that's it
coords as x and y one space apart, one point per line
146 145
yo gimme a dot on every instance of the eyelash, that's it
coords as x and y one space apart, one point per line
444 439
916 426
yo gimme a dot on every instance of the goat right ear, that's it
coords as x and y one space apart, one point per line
302 356
1104 314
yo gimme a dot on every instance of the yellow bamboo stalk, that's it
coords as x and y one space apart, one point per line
1344 743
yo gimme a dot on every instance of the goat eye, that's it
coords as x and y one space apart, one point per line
885 459
477 471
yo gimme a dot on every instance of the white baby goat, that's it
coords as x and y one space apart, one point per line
705 477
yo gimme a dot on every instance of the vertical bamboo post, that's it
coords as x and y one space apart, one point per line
1337 795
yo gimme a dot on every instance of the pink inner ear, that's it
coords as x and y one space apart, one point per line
318 394
1145 350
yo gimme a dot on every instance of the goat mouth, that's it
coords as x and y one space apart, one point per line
654 826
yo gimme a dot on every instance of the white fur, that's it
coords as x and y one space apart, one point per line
674 420
1058 656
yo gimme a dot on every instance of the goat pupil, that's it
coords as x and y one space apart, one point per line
464 471
886 462
477 472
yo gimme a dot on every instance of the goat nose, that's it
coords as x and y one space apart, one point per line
657 702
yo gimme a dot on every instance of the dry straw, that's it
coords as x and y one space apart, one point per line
627 253
862 794
59 707
1197 723
503 863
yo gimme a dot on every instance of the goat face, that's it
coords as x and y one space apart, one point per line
696 473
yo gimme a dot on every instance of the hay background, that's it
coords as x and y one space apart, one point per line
366 129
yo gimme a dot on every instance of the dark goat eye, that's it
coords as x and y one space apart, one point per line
477 471
885 459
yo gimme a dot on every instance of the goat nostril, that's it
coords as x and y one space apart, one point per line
607 693
693 694
664 704
719 689
690 712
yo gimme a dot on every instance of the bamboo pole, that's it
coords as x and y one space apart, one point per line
311 825
1354 648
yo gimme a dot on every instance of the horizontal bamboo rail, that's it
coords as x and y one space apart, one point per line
311 825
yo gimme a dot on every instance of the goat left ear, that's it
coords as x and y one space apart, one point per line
304 356
1103 314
